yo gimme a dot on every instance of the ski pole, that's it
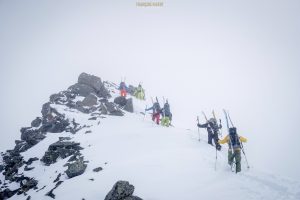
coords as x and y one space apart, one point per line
145 113
198 127
216 159
242 147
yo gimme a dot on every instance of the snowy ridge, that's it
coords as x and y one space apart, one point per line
162 163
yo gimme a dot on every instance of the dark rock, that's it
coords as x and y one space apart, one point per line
28 198
113 110
93 118
57 178
64 138
129 105
12 162
84 109
41 188
91 179
62 97
61 149
98 169
27 184
7 193
31 160
31 136
94 82
55 125
103 109
26 168
82 89
75 169
89 131
1 168
50 193
120 190
90 80
21 146
50 157
64 144
36 122
90 100
132 198
120 100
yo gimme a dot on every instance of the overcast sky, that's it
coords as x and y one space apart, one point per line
202 55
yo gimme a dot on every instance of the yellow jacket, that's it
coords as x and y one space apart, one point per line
227 140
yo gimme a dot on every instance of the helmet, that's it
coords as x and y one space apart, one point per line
232 131
212 120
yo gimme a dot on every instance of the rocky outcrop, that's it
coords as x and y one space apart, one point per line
124 103
95 102
120 100
76 168
31 136
88 84
122 190
60 149
36 122
129 105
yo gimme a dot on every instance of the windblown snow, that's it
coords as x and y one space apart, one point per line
162 163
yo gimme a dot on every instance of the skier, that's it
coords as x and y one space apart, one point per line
234 151
212 128
156 111
139 92
123 89
167 115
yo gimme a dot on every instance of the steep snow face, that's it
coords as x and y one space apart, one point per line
162 163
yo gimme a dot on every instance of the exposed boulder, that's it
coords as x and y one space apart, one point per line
81 89
36 122
31 136
90 80
31 160
122 190
75 169
60 149
129 105
120 100
7 193
103 109
97 169
112 109
90 100
56 124
21 146
94 82
28 183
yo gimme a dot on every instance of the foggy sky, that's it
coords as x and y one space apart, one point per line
201 55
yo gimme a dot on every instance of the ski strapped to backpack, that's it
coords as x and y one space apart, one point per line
214 115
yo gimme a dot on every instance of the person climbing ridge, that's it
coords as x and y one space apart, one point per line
139 92
167 115
156 111
234 151
212 128
123 89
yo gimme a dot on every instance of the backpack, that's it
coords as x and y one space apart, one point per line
234 140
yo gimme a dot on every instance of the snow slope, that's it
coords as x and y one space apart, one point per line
162 163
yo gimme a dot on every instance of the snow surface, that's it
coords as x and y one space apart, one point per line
162 163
